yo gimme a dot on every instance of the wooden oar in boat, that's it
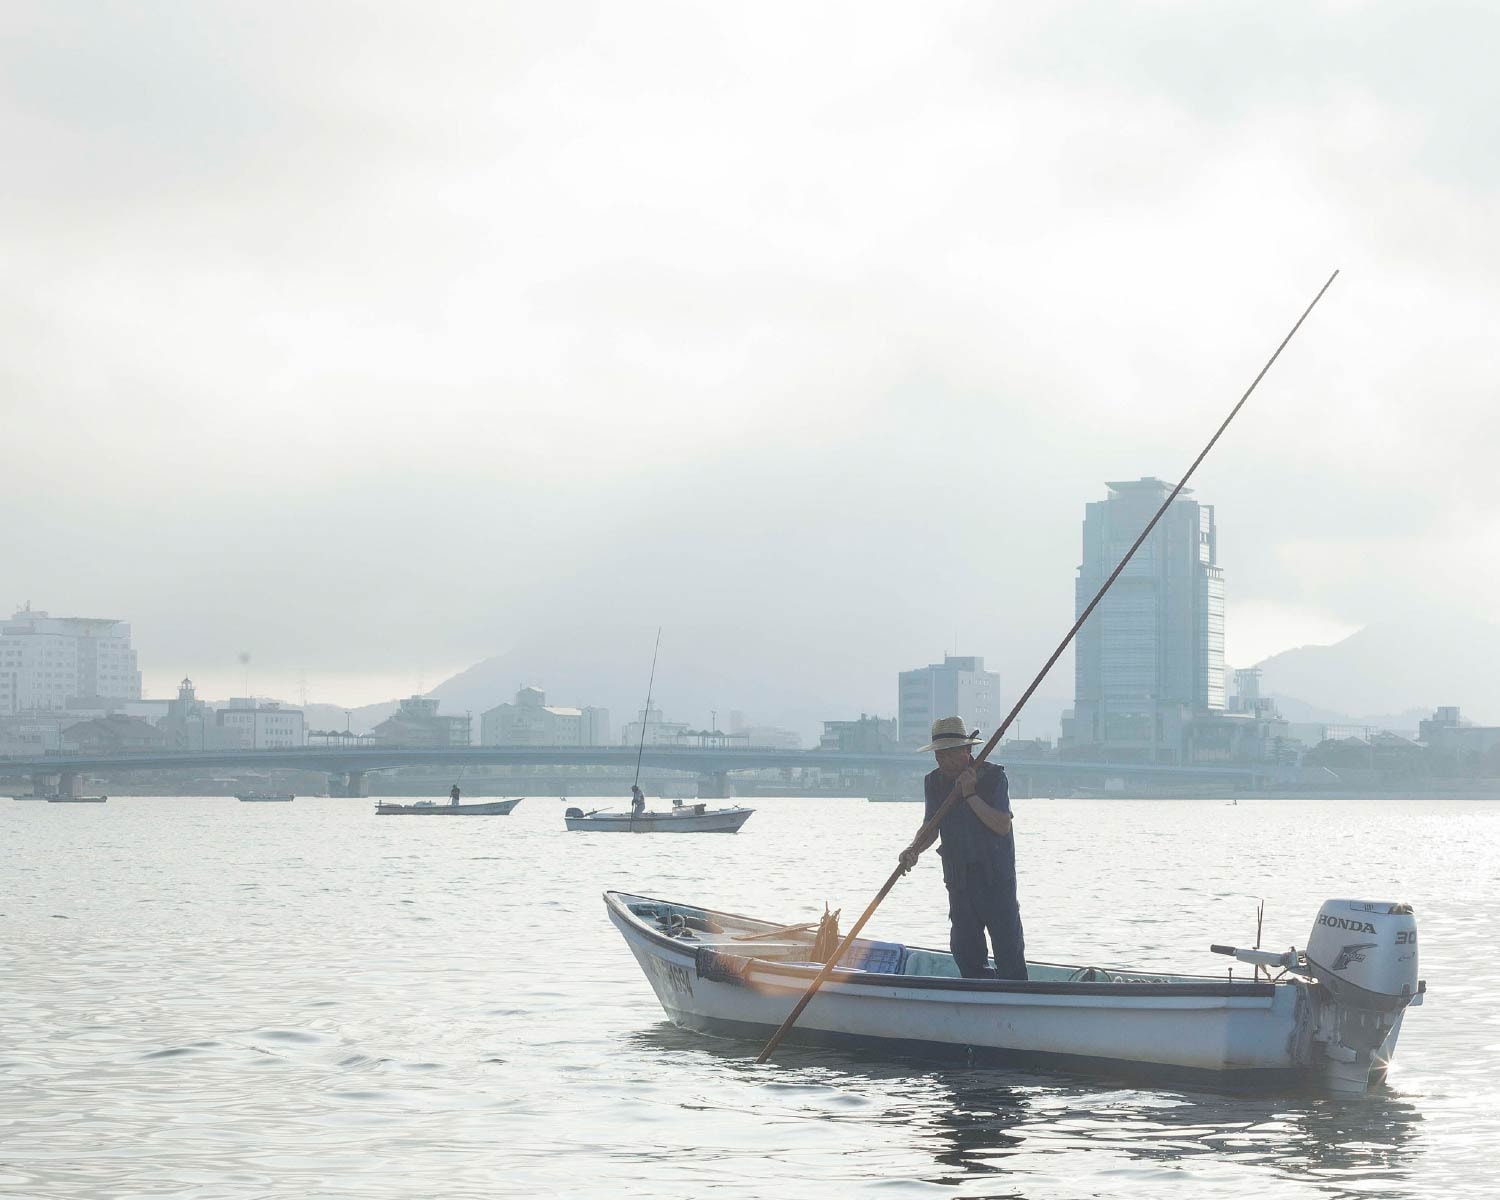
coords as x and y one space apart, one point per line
930 827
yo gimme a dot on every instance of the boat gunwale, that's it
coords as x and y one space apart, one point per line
799 973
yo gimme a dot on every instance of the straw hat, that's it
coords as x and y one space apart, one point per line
948 734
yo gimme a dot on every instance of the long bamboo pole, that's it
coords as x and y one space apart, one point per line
930 827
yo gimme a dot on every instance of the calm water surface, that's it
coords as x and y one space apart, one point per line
201 998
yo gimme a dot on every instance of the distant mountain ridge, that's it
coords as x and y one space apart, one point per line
1394 668
361 719
1388 675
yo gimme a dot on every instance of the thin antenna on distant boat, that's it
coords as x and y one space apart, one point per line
646 715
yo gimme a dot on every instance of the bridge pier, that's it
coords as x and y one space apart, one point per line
67 785
898 783
714 785
350 784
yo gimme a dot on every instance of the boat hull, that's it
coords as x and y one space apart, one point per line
720 820
489 808
77 799
1234 1035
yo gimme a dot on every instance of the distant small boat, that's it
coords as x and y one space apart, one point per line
28 797
430 808
264 797
76 799
685 818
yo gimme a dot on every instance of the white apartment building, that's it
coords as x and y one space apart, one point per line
261 724
531 721
957 686
50 664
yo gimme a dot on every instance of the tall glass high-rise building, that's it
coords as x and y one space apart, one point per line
1151 657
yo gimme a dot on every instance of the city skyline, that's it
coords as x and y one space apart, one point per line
1400 674
1051 695
1153 655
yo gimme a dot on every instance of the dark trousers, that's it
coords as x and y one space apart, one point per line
983 905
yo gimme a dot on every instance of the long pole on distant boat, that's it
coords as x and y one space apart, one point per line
645 716
930 827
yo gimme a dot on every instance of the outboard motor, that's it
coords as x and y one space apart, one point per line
1363 957
1365 954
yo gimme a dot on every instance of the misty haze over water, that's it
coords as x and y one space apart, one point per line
359 353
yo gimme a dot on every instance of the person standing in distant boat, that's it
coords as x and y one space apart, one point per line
979 855
453 796
637 800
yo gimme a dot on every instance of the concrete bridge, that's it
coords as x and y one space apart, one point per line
348 766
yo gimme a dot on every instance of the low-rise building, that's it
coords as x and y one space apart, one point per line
37 732
530 721
656 730
417 723
112 734
192 724
1381 753
764 737
259 724
868 735
1461 743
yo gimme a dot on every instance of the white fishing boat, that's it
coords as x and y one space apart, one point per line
680 818
1328 1017
686 818
429 808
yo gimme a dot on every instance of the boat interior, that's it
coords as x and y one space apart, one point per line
794 944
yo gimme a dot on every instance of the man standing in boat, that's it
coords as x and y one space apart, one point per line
637 800
979 855
453 795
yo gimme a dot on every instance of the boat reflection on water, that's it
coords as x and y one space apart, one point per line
1335 1144
979 1122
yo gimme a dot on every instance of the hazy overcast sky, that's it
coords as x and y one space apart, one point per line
377 339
